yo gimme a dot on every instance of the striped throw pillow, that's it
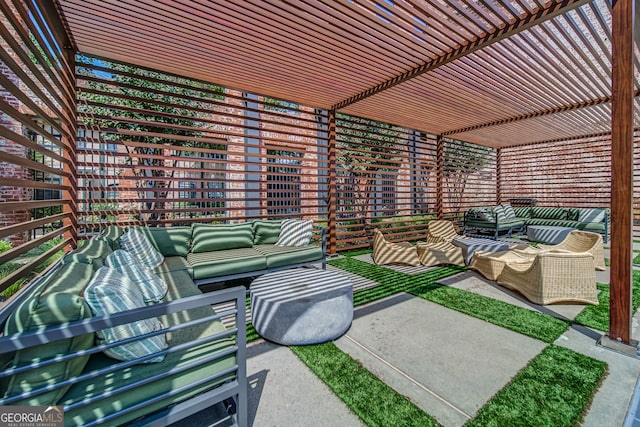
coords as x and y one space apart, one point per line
509 212
591 215
138 245
500 213
111 292
152 287
295 233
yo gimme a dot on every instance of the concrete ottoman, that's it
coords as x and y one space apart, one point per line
470 245
550 234
301 306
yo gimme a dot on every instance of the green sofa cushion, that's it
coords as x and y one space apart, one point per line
95 249
217 237
557 222
279 256
597 227
111 234
548 213
56 301
222 263
573 214
265 232
522 211
181 286
591 215
173 263
169 241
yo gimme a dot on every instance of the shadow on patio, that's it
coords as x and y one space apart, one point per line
447 363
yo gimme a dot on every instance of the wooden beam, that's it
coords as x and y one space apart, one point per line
621 170
333 192
526 21
539 113
440 177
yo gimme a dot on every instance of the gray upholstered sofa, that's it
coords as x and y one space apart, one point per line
495 220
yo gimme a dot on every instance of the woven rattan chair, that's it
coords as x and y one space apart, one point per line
439 253
491 264
385 252
441 231
554 277
582 241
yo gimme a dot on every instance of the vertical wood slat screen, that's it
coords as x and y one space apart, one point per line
37 132
469 178
158 149
573 173
386 178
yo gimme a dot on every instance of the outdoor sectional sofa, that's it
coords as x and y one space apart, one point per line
51 353
496 220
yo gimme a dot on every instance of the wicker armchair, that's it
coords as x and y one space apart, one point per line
554 277
582 241
442 231
385 252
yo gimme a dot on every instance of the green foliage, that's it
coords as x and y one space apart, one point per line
368 152
165 109
8 268
554 390
5 246
462 159
280 106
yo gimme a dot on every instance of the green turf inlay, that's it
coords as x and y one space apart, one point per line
597 316
527 322
391 282
367 396
555 389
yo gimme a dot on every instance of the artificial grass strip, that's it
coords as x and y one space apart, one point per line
597 316
527 322
391 282
555 389
367 396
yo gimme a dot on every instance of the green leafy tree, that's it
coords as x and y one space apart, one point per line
461 160
368 150
158 106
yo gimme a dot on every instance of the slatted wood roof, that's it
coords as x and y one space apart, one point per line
493 72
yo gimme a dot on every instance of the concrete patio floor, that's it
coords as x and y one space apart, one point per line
447 363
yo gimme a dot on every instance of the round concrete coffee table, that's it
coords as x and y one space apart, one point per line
301 306
550 234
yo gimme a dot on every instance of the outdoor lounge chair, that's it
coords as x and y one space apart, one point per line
553 277
441 231
582 241
385 252
432 254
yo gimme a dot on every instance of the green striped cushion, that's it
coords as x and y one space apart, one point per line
111 292
548 213
500 214
508 211
209 237
138 245
265 232
591 215
152 288
295 233
119 258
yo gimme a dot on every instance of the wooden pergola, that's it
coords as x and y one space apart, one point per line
495 73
